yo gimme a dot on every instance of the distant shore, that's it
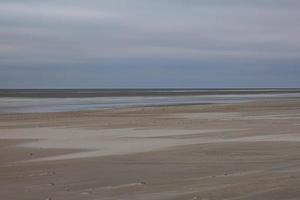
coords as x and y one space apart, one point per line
80 93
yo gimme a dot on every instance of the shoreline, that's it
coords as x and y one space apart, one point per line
49 105
89 93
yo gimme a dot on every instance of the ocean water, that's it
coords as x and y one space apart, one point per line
31 101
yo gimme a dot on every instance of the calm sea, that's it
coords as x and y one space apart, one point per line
53 100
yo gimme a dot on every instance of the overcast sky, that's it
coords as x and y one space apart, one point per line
149 43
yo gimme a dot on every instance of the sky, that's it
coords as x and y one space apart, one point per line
149 43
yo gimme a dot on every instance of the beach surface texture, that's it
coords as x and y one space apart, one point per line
245 150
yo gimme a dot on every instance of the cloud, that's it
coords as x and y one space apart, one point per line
234 34
22 10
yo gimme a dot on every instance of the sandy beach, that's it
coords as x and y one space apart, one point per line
149 100
219 151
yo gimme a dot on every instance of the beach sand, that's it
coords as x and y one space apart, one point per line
230 151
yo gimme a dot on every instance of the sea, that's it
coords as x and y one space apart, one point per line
66 100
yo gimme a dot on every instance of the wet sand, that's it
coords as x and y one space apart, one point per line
237 151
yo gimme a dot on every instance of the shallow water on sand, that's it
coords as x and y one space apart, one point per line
42 104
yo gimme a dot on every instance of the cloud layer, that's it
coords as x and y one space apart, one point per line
150 43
